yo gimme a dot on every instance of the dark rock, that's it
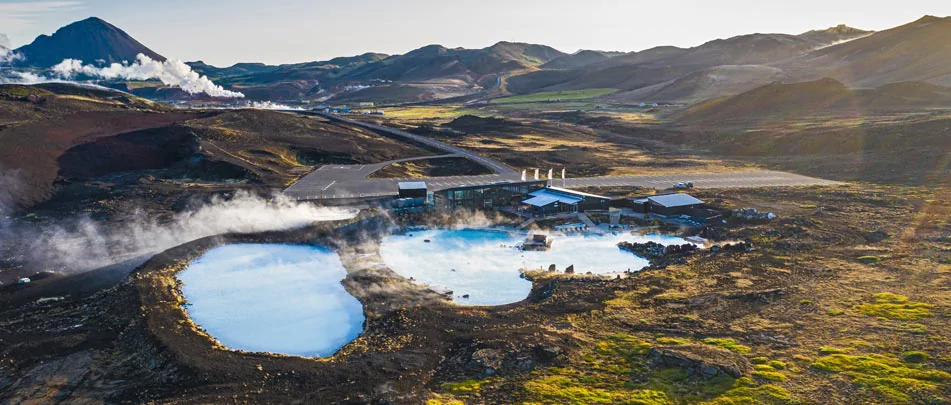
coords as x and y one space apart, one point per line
764 296
700 361
570 269
488 359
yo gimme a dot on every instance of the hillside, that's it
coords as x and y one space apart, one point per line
834 35
704 84
787 103
89 40
86 141
579 59
471 65
430 72
661 65
917 51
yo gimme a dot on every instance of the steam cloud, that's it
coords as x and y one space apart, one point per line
86 244
171 72
270 105
26 78
7 55
10 185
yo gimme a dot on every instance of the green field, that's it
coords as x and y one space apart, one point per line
553 95
430 112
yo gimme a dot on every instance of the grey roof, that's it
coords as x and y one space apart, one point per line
544 197
674 200
412 185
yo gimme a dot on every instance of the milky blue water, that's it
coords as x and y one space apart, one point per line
486 265
284 299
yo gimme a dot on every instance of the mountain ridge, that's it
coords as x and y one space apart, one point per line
92 40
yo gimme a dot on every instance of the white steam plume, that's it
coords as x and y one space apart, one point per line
171 72
270 105
17 77
7 55
87 244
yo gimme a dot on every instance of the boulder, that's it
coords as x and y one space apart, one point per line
700 361
488 359
570 269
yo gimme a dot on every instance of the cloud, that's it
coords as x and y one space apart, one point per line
171 72
17 16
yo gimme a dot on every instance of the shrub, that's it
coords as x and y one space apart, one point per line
671 341
895 307
887 376
826 350
769 375
728 344
835 312
915 357
776 364
463 387
870 259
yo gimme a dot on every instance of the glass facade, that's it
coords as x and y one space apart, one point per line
500 195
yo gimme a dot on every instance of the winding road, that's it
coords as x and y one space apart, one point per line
352 182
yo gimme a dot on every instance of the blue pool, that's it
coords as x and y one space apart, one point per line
273 298
486 266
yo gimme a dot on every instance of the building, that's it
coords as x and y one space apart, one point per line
667 204
412 189
555 200
495 195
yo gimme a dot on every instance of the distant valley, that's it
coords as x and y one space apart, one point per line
723 67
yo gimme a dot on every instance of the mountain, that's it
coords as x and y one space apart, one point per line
579 59
839 33
704 84
918 51
239 69
659 65
797 102
91 40
469 65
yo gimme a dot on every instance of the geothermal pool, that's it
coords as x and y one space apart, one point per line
486 265
273 298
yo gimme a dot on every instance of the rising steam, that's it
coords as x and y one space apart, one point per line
87 244
7 55
171 72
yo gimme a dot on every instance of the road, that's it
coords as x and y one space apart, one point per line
351 181
497 167
330 182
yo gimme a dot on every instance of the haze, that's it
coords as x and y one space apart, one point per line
284 31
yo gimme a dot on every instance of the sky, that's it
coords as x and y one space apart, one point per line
224 32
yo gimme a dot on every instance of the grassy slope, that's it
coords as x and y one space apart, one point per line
45 129
553 95
584 152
